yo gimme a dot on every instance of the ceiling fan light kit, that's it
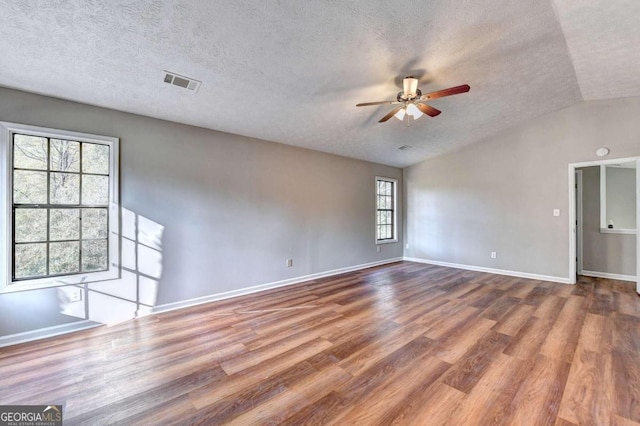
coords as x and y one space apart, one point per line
412 101
410 110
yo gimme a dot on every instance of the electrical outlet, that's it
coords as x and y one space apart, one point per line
74 294
378 249
494 255
289 263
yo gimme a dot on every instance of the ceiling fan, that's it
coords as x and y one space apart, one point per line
412 101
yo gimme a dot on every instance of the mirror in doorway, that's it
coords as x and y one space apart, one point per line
618 198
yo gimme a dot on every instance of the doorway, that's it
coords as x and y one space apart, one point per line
605 224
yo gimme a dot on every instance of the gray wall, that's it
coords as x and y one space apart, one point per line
621 197
233 208
611 253
499 195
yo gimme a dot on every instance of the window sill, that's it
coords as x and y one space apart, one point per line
40 283
617 231
378 242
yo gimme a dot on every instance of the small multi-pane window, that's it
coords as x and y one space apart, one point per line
386 227
60 201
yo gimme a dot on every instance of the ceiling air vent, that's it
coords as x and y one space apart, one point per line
182 81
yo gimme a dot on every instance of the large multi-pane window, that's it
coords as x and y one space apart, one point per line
61 202
386 227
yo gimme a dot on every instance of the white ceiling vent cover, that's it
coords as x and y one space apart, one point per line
181 81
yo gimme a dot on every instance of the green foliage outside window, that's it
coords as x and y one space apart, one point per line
60 206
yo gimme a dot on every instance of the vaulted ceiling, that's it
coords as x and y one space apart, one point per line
292 72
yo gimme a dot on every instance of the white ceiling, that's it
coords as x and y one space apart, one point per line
604 41
292 72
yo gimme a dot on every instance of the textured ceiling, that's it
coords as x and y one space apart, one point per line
604 41
292 72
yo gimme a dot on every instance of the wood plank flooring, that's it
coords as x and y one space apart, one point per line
405 343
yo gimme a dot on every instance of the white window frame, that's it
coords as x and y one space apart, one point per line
7 284
395 210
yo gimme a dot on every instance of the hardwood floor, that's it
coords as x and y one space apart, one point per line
399 344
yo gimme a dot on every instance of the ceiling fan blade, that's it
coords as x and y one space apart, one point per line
428 109
446 92
378 103
391 114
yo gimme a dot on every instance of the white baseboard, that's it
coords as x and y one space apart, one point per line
43 333
608 275
262 287
551 278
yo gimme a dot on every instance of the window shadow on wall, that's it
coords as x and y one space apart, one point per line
134 294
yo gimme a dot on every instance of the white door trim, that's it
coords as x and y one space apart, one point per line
638 225
579 217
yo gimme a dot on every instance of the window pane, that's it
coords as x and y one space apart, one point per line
65 224
65 188
94 223
29 187
29 152
65 155
30 225
95 190
94 255
95 158
64 257
386 231
30 260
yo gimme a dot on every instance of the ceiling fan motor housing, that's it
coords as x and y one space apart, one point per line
402 97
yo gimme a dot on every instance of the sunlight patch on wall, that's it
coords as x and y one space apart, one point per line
132 295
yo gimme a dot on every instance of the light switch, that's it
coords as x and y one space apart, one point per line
556 212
